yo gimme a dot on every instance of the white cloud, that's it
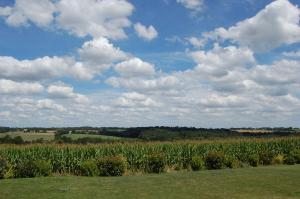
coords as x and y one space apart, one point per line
50 104
67 92
141 84
277 74
135 67
293 54
135 100
196 42
45 68
98 54
219 61
275 25
95 56
219 101
5 114
19 88
147 33
226 85
105 18
37 69
25 11
195 5
5 11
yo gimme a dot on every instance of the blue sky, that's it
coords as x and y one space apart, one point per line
207 63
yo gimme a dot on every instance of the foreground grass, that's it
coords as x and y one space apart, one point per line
262 182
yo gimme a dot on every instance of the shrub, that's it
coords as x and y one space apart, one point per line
265 158
177 167
278 159
10 173
3 167
215 160
253 160
112 165
25 169
42 168
233 163
156 163
289 159
89 168
296 154
197 163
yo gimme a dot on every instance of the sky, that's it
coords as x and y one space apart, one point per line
200 63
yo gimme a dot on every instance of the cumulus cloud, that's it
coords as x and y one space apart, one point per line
5 11
279 73
25 11
95 56
66 92
19 88
136 100
195 5
95 18
37 69
44 68
50 104
98 54
277 24
219 61
196 42
135 67
105 18
141 84
147 33
292 54
226 84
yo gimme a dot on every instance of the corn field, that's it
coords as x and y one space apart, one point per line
67 158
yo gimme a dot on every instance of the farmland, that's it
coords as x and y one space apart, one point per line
67 159
231 167
262 182
31 136
103 137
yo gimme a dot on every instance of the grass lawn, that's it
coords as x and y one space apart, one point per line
262 182
30 136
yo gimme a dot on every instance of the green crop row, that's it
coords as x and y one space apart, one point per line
66 159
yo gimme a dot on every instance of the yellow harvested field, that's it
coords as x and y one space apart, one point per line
262 131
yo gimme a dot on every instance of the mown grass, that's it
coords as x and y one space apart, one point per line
30 136
262 182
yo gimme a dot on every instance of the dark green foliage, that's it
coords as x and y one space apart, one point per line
25 169
11 140
177 133
233 163
289 159
215 160
296 154
197 163
112 165
266 157
3 167
156 163
292 157
89 168
253 160
43 168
